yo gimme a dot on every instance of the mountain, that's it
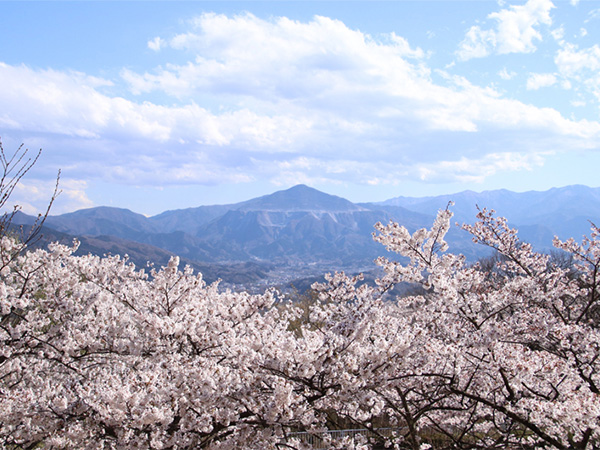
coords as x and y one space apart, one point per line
527 207
189 219
299 198
140 254
300 227
102 220
294 236
297 226
301 231
539 215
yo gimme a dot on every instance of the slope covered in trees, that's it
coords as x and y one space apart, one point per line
96 354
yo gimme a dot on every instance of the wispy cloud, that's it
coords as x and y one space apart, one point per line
540 80
581 66
35 192
516 31
507 75
156 44
281 99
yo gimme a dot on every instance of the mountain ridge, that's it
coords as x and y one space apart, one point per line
302 227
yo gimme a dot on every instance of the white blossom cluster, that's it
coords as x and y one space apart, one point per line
95 354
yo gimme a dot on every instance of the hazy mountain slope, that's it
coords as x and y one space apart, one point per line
412 220
301 226
563 211
142 254
288 236
106 220
298 198
189 219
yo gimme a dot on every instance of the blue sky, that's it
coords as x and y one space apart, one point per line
154 106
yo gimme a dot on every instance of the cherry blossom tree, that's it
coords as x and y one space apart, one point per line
501 358
516 348
96 353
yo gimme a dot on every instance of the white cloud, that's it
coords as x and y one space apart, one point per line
403 48
506 75
156 44
51 101
476 170
558 34
573 62
477 43
244 55
580 66
68 104
593 14
515 32
540 80
34 195
274 99
516 29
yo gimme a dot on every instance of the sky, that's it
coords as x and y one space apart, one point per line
155 106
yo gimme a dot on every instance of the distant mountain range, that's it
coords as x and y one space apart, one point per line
565 211
303 230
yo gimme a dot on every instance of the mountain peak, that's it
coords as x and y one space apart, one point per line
299 198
